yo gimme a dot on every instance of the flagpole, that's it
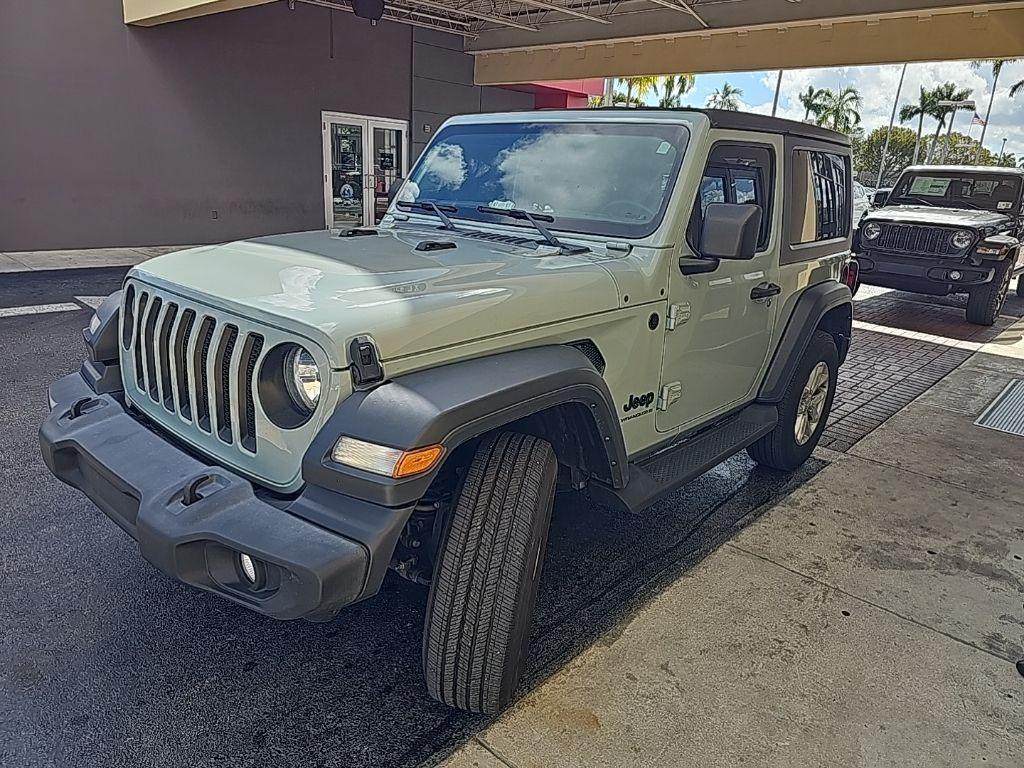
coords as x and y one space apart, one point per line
892 120
778 87
997 67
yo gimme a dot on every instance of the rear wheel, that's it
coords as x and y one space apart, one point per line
804 409
485 584
986 301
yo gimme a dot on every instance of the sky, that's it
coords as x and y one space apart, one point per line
877 86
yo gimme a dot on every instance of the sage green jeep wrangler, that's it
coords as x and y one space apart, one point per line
609 301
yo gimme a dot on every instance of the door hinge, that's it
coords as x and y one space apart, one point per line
677 315
669 394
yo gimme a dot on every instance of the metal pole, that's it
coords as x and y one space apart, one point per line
892 121
949 133
988 114
778 87
1002 151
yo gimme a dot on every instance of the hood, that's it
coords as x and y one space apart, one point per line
949 217
331 289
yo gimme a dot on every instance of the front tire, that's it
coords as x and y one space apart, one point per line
804 409
480 608
986 301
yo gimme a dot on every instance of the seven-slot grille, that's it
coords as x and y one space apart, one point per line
192 364
916 239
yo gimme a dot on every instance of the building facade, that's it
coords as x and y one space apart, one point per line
261 120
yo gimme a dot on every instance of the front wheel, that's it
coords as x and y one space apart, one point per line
481 600
986 301
804 409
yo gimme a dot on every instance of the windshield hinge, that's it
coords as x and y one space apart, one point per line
677 315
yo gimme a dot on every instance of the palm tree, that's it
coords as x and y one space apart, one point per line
638 87
811 101
726 97
840 110
944 92
925 107
675 87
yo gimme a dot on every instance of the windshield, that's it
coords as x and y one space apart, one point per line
610 179
980 191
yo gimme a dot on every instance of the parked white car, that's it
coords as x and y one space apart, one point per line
861 201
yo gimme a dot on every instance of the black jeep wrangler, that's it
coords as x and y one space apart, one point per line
947 229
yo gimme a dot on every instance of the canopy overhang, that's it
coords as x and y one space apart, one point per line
516 41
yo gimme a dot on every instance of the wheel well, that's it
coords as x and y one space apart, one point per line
838 322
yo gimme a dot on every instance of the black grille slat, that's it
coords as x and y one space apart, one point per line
128 318
247 417
200 358
140 378
914 239
181 339
222 379
164 355
149 338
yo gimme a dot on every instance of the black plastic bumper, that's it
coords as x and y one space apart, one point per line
315 553
922 274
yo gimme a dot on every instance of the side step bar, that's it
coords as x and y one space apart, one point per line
656 476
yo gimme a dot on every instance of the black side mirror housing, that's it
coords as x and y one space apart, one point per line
880 198
730 231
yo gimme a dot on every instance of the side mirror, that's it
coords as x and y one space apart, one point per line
730 231
880 198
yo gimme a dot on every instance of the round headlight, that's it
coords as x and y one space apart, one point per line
870 231
302 378
962 239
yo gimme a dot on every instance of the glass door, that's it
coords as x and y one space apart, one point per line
363 158
345 177
388 165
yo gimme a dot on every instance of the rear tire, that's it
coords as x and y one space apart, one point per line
985 302
480 609
790 444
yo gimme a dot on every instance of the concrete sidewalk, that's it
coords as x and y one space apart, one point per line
872 618
34 261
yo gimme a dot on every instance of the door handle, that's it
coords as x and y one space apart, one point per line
765 291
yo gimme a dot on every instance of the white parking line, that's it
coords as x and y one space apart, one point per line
39 309
91 301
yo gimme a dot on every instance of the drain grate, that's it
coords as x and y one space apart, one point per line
1006 412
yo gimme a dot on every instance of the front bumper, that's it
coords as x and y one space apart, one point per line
922 274
317 552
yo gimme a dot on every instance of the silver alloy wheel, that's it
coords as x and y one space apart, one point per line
812 403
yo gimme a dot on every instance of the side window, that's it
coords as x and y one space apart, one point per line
736 173
821 196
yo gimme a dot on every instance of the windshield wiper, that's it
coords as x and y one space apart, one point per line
922 200
535 219
431 207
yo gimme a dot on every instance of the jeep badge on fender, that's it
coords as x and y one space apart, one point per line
280 421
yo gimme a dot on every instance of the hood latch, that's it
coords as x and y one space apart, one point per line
367 368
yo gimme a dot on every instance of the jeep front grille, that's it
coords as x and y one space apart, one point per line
204 376
914 239
192 369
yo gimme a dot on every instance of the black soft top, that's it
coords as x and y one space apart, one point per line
748 121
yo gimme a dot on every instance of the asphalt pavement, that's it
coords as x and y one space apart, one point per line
105 662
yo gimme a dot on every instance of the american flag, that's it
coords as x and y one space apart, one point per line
977 120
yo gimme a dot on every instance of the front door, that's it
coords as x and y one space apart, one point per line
363 158
717 352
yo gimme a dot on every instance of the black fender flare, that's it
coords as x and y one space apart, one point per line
829 301
455 402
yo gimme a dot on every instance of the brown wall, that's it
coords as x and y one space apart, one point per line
113 135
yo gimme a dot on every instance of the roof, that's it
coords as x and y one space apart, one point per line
989 169
719 118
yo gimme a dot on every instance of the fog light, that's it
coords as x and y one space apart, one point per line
955 275
248 566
